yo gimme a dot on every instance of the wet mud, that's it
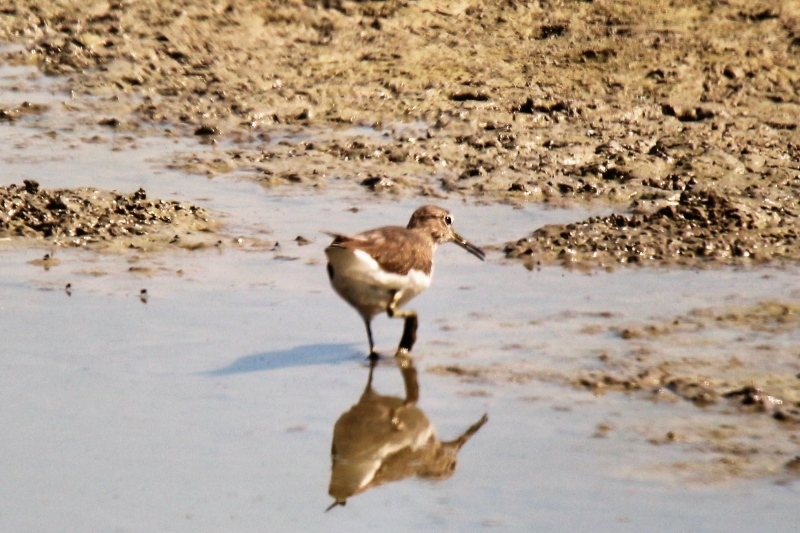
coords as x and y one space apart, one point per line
657 110
699 228
739 363
87 217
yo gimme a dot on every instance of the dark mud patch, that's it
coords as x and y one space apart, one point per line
25 109
695 228
739 366
88 217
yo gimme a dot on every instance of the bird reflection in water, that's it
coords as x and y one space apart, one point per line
384 438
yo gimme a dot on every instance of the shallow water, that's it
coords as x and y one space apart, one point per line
210 405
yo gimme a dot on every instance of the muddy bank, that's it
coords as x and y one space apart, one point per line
696 228
630 104
87 217
739 364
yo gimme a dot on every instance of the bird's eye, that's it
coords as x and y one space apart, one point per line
448 220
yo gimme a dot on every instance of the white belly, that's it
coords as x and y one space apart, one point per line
359 280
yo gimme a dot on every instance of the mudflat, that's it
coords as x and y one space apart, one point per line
681 116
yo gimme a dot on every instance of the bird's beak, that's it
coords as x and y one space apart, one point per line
335 503
468 246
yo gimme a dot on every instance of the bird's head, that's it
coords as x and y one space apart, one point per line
439 223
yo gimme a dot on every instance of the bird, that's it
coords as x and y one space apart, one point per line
380 270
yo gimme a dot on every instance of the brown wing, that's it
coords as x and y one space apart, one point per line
395 249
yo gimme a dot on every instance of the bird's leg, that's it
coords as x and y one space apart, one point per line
406 366
368 389
372 353
409 334
409 372
409 327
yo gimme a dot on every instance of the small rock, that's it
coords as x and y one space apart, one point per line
205 131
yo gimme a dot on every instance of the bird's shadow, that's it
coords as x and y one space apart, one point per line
311 354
